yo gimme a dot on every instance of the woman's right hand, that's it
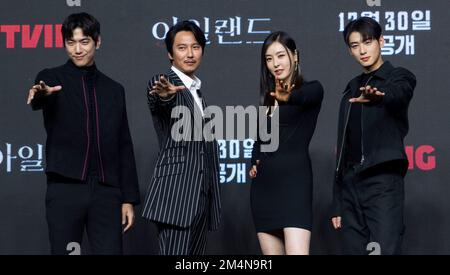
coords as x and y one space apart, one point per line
282 90
253 171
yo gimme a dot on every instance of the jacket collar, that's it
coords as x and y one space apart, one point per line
186 94
187 81
174 79
382 73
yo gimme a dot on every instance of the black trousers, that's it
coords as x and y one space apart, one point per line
72 206
175 240
372 212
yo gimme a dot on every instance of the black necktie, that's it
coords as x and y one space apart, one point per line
199 93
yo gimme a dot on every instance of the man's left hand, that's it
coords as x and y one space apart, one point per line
127 216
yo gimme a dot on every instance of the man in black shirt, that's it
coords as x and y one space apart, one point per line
91 172
368 195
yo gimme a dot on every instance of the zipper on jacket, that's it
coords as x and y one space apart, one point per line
98 136
83 173
343 137
362 128
362 134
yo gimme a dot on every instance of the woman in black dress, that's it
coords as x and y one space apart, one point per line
281 191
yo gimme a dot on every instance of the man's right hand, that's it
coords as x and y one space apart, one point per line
41 89
164 89
336 221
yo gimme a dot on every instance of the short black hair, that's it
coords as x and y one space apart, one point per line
85 21
366 26
185 26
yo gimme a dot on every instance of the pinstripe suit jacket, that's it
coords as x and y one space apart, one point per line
182 166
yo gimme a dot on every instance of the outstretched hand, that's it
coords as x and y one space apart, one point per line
368 94
41 89
282 90
164 89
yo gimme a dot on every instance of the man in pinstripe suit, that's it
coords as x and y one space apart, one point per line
183 197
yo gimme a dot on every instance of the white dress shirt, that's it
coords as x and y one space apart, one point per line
192 84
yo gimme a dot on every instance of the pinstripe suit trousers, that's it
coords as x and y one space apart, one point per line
175 240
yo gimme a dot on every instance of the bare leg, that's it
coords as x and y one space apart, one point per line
271 242
297 241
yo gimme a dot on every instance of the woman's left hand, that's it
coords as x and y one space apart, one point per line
254 170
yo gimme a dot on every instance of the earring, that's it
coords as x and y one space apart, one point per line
297 65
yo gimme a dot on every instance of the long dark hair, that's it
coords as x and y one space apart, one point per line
267 81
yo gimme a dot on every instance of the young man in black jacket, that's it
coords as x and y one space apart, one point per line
371 161
91 172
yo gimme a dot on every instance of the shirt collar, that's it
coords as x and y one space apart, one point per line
187 81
